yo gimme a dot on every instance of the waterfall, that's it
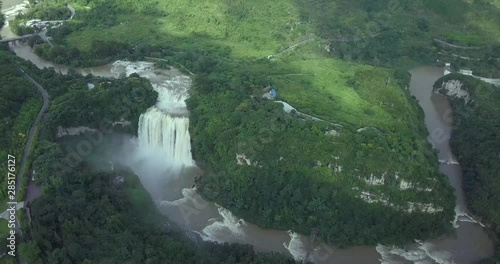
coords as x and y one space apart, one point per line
170 133
166 124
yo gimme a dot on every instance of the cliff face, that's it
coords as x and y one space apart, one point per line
475 142
454 89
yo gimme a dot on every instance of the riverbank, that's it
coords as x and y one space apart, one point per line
470 236
475 140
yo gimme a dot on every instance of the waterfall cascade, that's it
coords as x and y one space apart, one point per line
166 124
170 133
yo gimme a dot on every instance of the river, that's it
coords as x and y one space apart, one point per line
179 201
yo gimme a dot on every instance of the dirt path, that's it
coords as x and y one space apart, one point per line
291 48
442 42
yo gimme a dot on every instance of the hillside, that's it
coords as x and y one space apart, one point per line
341 61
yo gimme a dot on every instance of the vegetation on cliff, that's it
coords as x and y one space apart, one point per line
476 142
87 216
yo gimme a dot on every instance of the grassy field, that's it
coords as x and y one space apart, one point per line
258 29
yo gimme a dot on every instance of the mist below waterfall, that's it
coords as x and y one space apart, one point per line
162 152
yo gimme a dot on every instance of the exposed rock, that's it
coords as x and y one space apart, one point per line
410 206
241 159
122 122
118 180
373 180
332 133
73 131
420 207
404 185
453 88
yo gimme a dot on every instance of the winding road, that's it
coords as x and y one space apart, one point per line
29 142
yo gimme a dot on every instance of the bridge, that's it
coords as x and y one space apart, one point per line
43 33
17 38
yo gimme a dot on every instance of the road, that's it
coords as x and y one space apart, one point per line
29 142
455 46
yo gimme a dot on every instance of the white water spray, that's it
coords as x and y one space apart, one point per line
423 253
296 247
461 216
230 228
164 125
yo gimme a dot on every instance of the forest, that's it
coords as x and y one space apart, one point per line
19 105
475 141
296 180
88 218
83 216
327 60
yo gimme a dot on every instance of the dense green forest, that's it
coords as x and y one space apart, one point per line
475 140
109 100
365 164
19 105
90 218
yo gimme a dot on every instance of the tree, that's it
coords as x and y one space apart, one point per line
30 252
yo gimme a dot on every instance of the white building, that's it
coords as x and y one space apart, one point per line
447 68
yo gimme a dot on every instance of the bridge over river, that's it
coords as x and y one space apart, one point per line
43 33
17 38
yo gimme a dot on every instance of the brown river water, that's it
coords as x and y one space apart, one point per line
183 205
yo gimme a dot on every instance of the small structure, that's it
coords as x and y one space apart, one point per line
270 93
447 68
274 93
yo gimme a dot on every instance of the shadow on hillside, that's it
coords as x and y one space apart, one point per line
389 33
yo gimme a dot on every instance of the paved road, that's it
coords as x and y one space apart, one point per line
31 134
